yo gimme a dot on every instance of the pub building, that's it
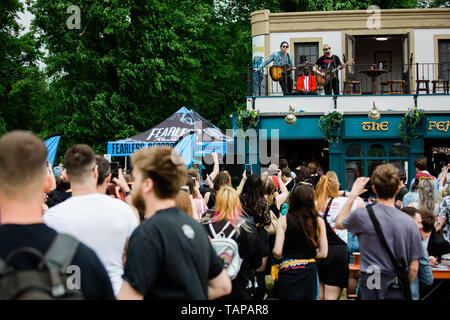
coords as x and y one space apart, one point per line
401 60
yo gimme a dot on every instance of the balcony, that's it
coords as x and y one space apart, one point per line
394 88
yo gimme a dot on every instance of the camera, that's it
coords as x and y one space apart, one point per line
114 170
248 169
369 193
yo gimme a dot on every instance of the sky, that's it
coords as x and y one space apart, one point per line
24 19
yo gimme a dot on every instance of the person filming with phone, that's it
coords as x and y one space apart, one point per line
389 241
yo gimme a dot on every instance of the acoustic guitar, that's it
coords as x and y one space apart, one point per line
330 73
277 72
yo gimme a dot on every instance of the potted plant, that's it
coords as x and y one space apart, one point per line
330 124
412 119
248 119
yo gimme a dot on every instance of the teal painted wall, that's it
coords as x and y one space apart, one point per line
306 127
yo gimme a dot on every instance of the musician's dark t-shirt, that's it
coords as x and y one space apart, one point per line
324 62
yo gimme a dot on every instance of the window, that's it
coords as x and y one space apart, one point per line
444 58
354 150
362 157
308 49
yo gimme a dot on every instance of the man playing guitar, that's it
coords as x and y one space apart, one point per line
284 59
329 61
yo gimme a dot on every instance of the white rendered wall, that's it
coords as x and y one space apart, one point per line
424 44
333 38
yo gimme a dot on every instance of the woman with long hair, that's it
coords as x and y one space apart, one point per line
426 196
274 199
300 240
223 178
257 207
228 216
333 271
193 182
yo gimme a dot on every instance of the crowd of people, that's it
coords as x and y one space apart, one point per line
158 232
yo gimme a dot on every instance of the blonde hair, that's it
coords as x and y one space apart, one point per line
332 176
228 206
442 193
326 188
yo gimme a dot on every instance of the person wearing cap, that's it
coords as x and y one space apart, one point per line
281 58
328 61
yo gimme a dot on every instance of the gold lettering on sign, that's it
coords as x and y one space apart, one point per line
374 126
384 126
365 126
439 125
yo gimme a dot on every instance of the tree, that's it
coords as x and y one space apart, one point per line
23 90
130 65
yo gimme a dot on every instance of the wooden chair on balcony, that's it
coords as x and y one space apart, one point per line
440 84
352 87
392 83
426 88
384 87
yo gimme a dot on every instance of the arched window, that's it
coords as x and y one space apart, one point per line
354 150
376 150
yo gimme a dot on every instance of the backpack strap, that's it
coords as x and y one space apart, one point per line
325 214
380 234
234 230
223 229
3 267
57 258
212 230
61 252
401 272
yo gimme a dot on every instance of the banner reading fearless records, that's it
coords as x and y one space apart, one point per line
169 132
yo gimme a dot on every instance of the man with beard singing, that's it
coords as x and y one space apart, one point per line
169 255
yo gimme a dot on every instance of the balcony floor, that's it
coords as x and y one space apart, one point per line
350 104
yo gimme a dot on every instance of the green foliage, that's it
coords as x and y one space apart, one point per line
132 63
330 125
23 90
409 123
433 4
248 119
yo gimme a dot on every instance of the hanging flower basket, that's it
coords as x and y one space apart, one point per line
413 119
248 119
330 124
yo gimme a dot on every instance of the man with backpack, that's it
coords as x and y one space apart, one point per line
389 241
36 262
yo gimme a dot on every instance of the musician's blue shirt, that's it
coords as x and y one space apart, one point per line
277 59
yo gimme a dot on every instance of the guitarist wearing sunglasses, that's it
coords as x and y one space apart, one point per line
283 64
328 62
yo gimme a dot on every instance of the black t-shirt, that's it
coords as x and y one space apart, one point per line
326 62
247 240
95 283
401 193
170 257
55 197
290 185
